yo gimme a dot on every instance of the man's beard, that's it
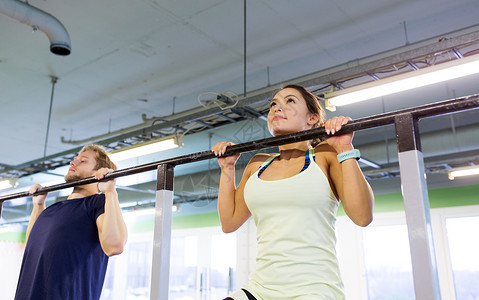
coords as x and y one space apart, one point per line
72 177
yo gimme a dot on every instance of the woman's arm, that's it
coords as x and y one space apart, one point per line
352 188
232 207
112 229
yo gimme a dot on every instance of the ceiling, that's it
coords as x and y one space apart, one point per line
139 64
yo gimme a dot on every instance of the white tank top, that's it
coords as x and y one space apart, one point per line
295 219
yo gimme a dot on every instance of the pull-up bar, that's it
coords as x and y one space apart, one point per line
413 182
428 110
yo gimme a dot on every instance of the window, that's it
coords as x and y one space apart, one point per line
223 263
11 255
202 264
128 275
463 242
183 267
388 262
139 270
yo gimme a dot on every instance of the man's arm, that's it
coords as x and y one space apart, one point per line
112 229
38 206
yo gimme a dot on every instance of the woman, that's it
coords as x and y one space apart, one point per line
293 197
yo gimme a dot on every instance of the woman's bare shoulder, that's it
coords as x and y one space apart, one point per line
260 158
255 162
324 148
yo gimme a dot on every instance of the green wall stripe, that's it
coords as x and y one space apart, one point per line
180 222
196 221
13 236
455 196
438 198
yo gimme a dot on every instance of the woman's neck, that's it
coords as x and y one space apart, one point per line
293 150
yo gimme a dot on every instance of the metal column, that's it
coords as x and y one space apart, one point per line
160 268
416 204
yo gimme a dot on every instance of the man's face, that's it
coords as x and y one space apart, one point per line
82 166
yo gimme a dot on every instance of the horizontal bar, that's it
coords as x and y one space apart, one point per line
423 111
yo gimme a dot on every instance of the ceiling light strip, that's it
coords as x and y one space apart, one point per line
394 84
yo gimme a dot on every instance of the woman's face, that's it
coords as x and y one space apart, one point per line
288 113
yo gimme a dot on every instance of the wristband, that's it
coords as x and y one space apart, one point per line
349 154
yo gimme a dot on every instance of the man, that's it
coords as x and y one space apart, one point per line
68 243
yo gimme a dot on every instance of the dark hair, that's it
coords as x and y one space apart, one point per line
101 157
313 105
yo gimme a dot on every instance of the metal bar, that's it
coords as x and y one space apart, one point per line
40 160
428 110
457 53
160 271
416 206
372 75
204 124
412 65
407 133
227 118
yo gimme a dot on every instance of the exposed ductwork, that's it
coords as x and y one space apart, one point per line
39 20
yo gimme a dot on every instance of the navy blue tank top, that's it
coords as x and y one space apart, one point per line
63 258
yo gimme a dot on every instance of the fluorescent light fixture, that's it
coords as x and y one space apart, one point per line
407 81
8 183
369 163
176 208
140 212
145 148
465 171
5 184
145 211
128 204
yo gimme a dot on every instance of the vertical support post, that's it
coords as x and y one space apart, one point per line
160 269
416 204
1 205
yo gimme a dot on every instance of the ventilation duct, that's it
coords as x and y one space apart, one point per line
39 20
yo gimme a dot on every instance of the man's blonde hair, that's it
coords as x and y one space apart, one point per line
101 156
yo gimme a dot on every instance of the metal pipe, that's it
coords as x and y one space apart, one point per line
423 111
39 20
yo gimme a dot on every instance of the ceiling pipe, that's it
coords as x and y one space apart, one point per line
39 20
